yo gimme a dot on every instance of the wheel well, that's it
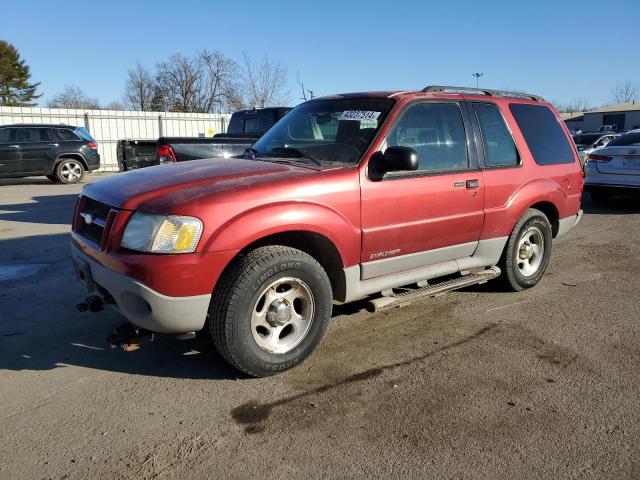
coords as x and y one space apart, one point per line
75 157
316 245
551 212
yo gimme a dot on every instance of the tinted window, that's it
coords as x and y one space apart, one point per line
436 132
543 134
29 135
63 135
626 140
251 125
7 135
586 139
83 134
499 148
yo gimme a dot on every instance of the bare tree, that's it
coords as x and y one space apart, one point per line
573 106
198 84
114 105
140 88
73 97
262 84
625 92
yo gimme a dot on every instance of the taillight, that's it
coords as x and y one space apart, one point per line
93 145
594 157
166 154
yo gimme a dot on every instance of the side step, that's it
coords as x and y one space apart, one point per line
391 299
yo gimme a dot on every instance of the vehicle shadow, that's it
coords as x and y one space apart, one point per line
618 205
41 329
49 209
89 177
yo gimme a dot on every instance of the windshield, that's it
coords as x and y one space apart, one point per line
325 131
630 139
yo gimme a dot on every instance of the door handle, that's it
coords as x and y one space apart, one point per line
472 184
14 146
54 144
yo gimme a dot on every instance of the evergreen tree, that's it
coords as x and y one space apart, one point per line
15 89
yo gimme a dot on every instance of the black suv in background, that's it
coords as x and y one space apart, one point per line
63 153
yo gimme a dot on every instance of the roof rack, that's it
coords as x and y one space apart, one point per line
486 91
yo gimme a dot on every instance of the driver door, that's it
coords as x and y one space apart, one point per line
432 215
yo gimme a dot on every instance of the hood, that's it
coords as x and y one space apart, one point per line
171 183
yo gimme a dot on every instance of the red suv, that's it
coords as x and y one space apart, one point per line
346 197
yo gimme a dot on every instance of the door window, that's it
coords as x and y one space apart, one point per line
30 135
499 148
7 135
436 132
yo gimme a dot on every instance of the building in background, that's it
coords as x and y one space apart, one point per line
625 116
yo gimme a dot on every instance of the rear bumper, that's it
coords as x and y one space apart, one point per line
141 305
93 162
566 224
595 180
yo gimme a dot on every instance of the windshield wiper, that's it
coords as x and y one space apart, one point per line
297 152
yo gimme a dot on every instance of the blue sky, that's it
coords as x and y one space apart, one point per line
561 49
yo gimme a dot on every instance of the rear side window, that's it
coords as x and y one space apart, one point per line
30 135
499 148
83 134
543 134
251 125
64 135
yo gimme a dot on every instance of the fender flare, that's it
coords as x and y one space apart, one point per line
265 220
73 155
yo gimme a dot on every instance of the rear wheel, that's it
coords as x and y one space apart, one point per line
270 310
69 170
526 255
600 198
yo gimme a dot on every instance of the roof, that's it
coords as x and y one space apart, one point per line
618 107
40 125
436 91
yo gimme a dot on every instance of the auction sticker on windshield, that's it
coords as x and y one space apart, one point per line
359 115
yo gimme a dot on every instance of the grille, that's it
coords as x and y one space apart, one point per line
99 211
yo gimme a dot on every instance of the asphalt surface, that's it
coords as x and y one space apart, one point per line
541 384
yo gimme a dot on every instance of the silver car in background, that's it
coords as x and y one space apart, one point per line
588 142
614 169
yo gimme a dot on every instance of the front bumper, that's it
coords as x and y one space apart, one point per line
141 305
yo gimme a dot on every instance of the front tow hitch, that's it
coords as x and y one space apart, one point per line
129 337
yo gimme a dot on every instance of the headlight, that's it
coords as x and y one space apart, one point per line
162 234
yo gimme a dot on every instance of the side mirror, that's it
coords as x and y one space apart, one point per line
394 159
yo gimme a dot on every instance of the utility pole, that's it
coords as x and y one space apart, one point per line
477 75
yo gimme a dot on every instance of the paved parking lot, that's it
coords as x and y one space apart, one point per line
474 384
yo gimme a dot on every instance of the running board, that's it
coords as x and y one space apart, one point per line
392 299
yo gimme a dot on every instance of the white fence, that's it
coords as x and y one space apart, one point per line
109 126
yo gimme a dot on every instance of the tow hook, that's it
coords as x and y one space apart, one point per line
92 303
129 337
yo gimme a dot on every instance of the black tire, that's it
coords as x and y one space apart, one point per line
238 295
69 170
53 178
512 276
600 198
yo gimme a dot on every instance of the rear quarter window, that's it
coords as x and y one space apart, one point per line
544 135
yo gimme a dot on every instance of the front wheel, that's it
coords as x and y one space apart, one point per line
270 310
526 255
